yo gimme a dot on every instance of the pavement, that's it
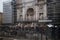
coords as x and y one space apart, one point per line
34 36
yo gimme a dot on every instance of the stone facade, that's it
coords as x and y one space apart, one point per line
31 10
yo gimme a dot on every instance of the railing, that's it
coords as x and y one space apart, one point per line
32 19
31 33
28 19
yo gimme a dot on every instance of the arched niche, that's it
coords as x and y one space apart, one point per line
30 12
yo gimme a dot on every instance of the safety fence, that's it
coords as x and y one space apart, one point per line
30 33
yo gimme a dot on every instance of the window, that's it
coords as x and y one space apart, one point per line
49 1
40 0
58 0
20 15
40 13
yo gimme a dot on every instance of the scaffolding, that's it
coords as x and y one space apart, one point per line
54 11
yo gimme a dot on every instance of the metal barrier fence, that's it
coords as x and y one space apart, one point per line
30 33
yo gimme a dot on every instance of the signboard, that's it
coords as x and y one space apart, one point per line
45 21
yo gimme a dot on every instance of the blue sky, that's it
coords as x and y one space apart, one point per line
1 5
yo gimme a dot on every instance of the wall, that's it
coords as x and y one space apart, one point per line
1 18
